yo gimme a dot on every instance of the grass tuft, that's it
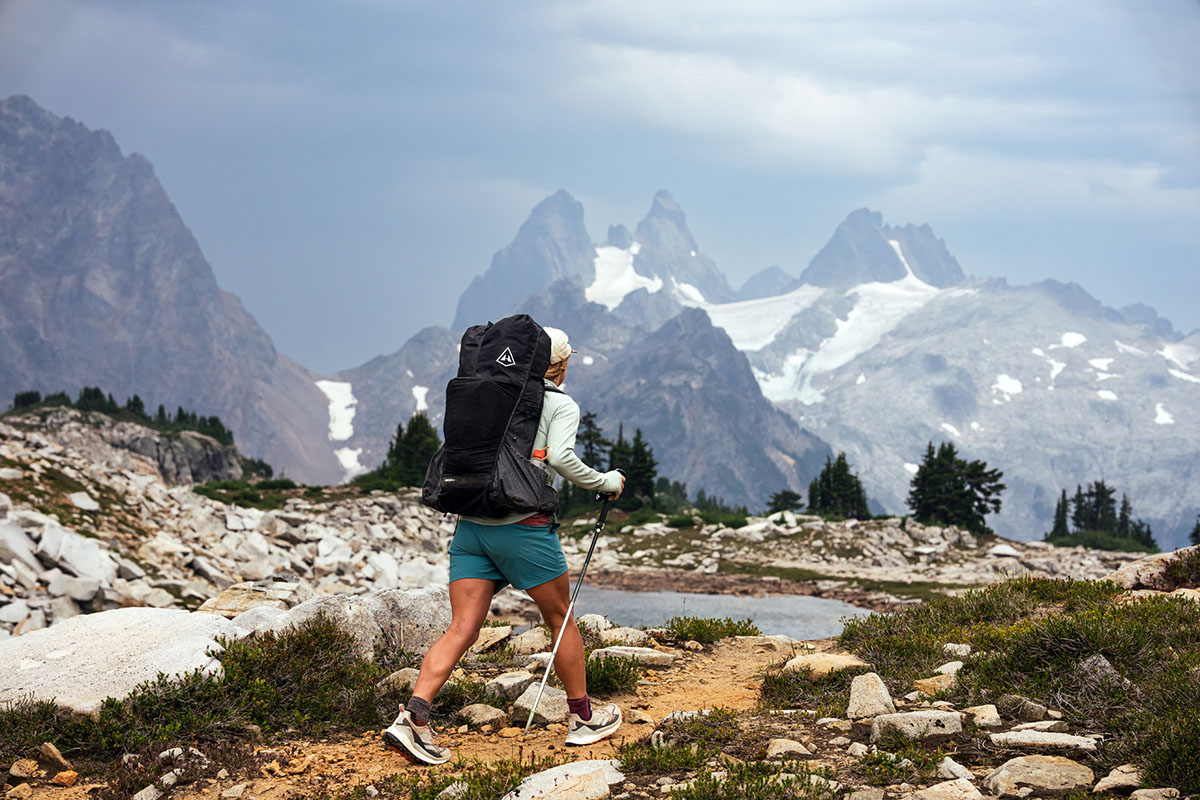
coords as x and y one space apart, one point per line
707 631
612 675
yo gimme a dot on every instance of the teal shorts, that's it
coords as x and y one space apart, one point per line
523 555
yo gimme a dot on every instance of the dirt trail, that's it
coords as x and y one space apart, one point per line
725 675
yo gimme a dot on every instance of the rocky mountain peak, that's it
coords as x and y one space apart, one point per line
103 284
857 253
551 244
669 251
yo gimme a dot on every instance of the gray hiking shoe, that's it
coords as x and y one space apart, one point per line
407 738
604 722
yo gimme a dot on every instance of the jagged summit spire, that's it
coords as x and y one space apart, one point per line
865 250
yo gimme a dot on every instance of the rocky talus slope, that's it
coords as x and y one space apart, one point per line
90 520
92 516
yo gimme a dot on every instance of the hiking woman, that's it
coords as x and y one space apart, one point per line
522 550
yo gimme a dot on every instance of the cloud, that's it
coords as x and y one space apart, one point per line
953 185
765 114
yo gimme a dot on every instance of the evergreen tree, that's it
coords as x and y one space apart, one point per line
1194 536
784 500
414 449
1060 517
1080 516
134 405
26 399
161 415
591 440
618 452
642 469
947 490
837 491
1125 518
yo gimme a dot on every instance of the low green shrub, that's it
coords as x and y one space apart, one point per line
642 516
1184 570
1101 540
1031 637
708 630
309 680
681 521
761 780
827 695
640 758
612 675
480 781
725 519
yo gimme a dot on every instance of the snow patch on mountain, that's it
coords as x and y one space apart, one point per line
1069 340
861 379
880 308
912 468
1162 416
1180 353
419 394
752 324
1055 367
1101 364
588 361
1184 376
1105 394
616 277
950 429
1007 386
341 409
1039 352
1128 348
341 424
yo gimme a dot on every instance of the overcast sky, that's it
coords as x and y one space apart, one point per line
348 166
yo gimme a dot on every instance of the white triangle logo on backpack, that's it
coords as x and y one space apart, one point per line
506 358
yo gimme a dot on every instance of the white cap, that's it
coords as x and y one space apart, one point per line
560 348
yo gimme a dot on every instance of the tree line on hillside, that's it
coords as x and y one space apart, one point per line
945 489
93 398
1097 521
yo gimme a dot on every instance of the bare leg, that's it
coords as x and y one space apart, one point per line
552 598
470 599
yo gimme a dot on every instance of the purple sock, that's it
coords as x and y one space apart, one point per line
419 709
580 707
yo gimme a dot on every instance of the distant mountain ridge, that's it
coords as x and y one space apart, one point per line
102 283
882 344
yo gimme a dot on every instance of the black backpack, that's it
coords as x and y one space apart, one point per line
493 407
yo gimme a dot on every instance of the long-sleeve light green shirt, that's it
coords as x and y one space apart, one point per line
556 435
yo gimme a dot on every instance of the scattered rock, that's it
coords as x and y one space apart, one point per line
985 716
950 769
926 725
857 750
1154 794
869 697
534 640
483 714
551 708
958 789
568 777
68 778
1014 706
949 668
825 663
1121 780
645 656
936 684
410 619
784 748
1098 670
24 768
1046 725
234 792
54 758
1039 740
491 636
958 650
508 686
22 791
1052 775
624 636
241 597
82 660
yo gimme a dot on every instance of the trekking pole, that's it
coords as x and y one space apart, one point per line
607 504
